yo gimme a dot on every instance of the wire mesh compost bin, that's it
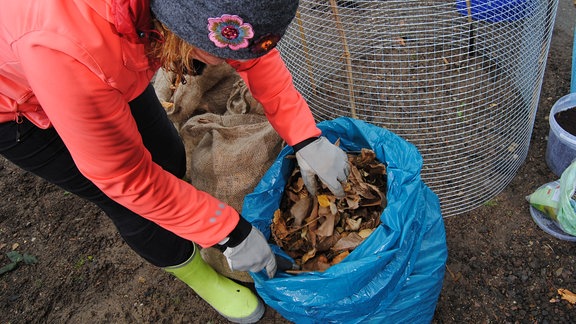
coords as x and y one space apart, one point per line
459 79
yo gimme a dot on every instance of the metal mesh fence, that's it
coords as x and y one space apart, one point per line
459 79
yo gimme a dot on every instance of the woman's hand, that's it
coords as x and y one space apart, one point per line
327 161
246 249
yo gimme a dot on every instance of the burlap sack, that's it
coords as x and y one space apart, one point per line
241 101
228 155
217 260
205 93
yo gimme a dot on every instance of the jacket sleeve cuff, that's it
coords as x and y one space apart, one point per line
238 234
298 146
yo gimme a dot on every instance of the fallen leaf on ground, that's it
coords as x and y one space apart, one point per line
567 295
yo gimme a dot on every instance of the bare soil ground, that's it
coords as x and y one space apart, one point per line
502 268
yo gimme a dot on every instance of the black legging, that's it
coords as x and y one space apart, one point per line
42 152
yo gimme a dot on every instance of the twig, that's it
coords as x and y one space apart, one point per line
294 230
454 277
294 272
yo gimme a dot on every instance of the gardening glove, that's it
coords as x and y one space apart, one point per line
317 156
246 249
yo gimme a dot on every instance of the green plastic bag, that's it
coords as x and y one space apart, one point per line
546 198
566 205
555 200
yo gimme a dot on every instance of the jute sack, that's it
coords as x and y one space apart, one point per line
228 154
205 93
241 101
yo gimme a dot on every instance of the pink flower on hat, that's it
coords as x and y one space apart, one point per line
231 31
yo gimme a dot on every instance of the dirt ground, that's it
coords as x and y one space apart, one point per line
502 268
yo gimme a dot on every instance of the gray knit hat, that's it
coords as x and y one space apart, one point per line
231 29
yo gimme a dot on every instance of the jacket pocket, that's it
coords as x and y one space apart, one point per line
134 55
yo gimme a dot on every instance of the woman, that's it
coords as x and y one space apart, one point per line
77 109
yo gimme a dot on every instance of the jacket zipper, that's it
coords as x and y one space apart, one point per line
19 121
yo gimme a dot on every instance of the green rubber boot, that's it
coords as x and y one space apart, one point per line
233 301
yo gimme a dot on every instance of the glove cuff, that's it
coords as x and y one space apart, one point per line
238 234
297 147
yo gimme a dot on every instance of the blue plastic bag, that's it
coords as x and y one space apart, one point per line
395 275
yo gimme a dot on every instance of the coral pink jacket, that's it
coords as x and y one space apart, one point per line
75 65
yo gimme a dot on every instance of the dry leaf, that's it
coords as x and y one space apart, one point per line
279 229
353 202
300 210
167 105
327 226
365 157
309 255
311 233
333 208
338 258
319 263
323 200
349 242
365 232
567 295
326 243
352 224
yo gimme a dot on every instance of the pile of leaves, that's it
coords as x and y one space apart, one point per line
320 230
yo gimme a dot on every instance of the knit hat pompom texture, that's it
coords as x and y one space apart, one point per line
236 29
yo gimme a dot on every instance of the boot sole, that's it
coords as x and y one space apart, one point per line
252 318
